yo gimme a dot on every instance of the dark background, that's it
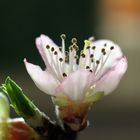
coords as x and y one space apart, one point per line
116 117
22 21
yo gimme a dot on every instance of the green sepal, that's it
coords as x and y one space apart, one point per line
59 101
94 97
21 104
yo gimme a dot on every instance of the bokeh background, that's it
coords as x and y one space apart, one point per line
117 116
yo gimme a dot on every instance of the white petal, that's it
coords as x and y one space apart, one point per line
110 80
41 43
41 50
43 79
76 84
47 41
48 56
110 57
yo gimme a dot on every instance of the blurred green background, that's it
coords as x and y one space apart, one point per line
116 117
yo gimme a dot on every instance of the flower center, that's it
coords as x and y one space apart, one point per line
92 57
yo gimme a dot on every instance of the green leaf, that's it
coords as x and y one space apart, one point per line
21 104
24 107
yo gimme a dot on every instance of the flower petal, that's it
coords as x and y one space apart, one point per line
112 53
50 55
43 79
41 43
41 49
76 84
110 80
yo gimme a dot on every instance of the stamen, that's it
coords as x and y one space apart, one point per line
66 56
83 55
87 52
87 67
59 67
91 56
60 59
53 64
52 49
90 71
55 53
87 43
103 62
66 59
103 50
67 53
47 46
82 59
92 60
88 47
63 36
71 48
104 53
75 47
60 49
97 66
71 57
93 47
74 41
112 47
76 56
64 75
97 62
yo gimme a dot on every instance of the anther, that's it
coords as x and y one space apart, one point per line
76 56
66 59
97 62
64 75
60 59
87 67
83 55
112 47
93 47
47 46
105 44
63 36
74 40
52 49
104 53
67 53
92 60
103 50
75 47
90 71
91 56
88 47
55 53
60 49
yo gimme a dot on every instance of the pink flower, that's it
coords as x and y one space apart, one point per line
99 69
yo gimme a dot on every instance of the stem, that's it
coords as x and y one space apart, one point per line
55 132
52 131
